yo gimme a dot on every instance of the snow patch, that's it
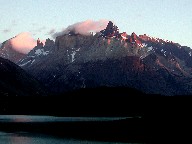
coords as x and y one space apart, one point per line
22 60
31 56
144 44
39 52
140 45
78 49
33 61
73 56
150 48
21 65
46 53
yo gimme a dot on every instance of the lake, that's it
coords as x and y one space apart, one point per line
28 138
31 118
17 132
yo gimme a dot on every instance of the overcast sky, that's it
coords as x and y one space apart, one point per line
167 19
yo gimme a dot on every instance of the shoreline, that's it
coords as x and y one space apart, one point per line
129 130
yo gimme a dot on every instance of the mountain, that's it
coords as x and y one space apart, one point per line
110 58
37 53
7 52
14 81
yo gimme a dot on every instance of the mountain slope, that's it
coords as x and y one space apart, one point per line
14 81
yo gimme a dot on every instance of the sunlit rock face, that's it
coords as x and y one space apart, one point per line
110 31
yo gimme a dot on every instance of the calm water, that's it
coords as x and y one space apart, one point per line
27 138
31 138
28 118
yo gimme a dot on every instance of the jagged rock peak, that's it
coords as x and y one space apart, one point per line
110 31
39 43
49 42
135 40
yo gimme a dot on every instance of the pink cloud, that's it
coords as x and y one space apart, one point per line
23 43
84 27
89 26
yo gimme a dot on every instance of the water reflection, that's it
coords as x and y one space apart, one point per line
32 138
16 139
21 119
27 138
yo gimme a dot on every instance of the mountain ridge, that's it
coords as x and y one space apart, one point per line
111 58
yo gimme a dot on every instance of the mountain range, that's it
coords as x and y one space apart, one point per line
108 58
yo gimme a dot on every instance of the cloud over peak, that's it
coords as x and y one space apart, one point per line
84 27
23 43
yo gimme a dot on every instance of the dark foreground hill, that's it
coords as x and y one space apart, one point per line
98 102
14 81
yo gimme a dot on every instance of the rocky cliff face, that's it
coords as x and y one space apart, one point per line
113 59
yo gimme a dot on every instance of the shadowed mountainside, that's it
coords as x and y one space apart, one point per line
14 81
